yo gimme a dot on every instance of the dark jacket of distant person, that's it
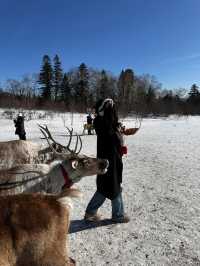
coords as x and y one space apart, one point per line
19 125
89 119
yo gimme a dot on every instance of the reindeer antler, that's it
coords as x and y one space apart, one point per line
45 131
78 139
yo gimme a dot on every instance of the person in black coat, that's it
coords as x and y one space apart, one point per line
109 146
19 125
89 123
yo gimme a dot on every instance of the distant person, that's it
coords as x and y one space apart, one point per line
19 125
110 146
89 124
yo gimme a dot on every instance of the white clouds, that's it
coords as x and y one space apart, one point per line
184 58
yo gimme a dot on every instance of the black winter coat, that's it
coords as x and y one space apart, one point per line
108 147
19 124
89 120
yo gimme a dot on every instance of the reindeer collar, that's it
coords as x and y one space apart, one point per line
68 181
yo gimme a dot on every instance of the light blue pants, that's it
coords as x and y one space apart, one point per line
98 199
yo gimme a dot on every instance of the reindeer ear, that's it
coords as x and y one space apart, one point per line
74 164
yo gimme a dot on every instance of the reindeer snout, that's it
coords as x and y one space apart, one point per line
103 164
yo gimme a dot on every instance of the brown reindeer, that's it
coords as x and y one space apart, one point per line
33 229
58 166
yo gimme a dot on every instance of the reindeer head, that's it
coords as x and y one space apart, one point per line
82 165
76 165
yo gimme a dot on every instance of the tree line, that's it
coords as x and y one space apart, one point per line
79 88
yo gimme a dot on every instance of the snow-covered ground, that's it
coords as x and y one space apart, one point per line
161 191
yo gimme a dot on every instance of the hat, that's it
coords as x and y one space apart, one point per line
104 104
20 114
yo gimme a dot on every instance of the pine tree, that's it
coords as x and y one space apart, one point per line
58 77
81 89
128 86
103 86
46 78
126 89
66 94
194 95
150 95
120 85
150 99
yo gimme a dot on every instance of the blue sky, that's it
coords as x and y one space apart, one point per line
159 37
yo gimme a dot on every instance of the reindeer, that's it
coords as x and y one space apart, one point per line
34 226
16 152
34 229
47 169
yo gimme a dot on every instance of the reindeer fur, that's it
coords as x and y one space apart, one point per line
33 230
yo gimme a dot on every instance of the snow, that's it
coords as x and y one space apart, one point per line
161 192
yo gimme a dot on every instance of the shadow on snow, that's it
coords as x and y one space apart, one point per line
81 225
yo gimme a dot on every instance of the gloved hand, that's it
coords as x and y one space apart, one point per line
130 131
123 150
